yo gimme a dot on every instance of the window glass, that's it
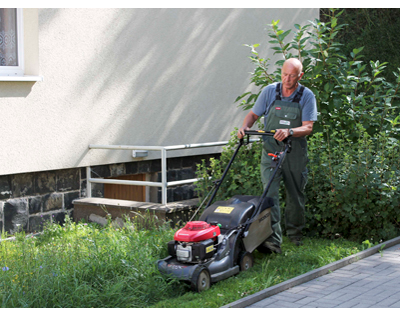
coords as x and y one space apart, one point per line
8 37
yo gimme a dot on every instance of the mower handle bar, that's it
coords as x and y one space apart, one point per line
264 133
260 132
217 183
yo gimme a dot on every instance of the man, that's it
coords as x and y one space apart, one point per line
290 109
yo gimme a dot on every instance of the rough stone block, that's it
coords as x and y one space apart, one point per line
186 173
37 222
172 175
35 204
155 165
144 167
5 188
83 173
181 193
15 215
68 180
59 217
174 163
51 202
131 167
69 198
117 170
44 182
100 172
1 217
22 185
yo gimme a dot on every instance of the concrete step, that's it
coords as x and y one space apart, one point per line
175 212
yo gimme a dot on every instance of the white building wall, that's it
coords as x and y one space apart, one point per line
129 77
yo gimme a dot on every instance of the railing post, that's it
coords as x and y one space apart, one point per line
164 183
164 176
88 183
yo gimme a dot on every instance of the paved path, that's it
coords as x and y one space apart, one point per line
368 279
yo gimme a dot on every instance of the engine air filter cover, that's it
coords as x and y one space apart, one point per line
197 231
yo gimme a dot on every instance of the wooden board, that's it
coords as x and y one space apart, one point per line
126 192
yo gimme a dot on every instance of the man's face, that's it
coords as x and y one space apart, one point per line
290 76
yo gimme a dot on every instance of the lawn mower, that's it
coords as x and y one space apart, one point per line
221 242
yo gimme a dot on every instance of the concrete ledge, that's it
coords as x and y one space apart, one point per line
254 298
174 211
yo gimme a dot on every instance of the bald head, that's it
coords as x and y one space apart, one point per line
295 63
292 71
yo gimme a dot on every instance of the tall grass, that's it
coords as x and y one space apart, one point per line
85 265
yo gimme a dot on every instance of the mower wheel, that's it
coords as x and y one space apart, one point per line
201 280
246 261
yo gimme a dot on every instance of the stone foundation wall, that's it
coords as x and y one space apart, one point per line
28 200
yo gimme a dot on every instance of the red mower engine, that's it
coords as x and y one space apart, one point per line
195 242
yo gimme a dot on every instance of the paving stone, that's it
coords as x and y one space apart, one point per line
387 302
395 305
288 297
306 300
322 304
372 282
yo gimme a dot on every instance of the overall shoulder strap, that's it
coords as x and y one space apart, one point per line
298 95
278 92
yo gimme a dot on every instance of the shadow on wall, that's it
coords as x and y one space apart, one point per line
167 78
15 89
168 68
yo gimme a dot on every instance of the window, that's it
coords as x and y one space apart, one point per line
11 43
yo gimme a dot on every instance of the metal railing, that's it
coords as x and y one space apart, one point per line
164 184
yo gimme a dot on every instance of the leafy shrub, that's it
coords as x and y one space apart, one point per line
374 28
243 176
353 188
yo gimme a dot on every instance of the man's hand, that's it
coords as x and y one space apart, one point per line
281 134
247 123
240 133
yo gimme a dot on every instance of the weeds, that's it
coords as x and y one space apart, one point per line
85 265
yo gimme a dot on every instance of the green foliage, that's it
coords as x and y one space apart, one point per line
80 265
348 93
242 177
376 29
85 265
268 271
353 187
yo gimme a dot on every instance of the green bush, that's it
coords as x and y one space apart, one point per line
242 178
353 188
376 29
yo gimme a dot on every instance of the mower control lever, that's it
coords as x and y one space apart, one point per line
260 132
266 133
275 159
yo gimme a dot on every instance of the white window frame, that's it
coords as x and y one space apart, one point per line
17 70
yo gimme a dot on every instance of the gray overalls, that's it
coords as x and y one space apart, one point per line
284 115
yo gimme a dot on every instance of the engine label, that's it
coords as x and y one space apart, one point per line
209 249
224 209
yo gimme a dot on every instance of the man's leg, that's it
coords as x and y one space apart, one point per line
273 192
295 179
